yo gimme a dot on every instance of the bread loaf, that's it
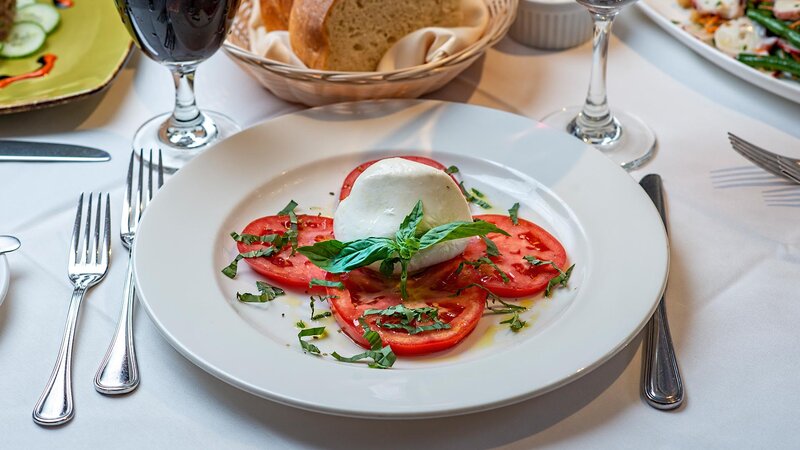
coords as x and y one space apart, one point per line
353 35
275 14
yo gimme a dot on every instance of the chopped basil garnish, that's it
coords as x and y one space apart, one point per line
307 346
491 247
515 323
410 318
339 257
288 208
300 324
320 298
559 280
477 193
326 283
268 293
233 267
291 232
506 308
472 198
484 260
451 170
513 213
249 239
382 357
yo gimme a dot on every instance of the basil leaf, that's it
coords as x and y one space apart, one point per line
307 346
268 293
351 255
559 280
288 208
382 359
408 227
372 336
491 247
451 170
387 266
515 323
249 239
457 230
513 213
473 199
322 253
232 268
326 283
300 324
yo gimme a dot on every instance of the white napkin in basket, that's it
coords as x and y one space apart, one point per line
419 47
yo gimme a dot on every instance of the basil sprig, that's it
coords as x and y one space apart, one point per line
267 291
559 280
338 257
410 318
382 356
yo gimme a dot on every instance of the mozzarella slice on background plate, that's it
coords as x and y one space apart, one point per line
387 191
786 9
727 9
742 36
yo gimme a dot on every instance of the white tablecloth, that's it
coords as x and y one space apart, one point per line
732 298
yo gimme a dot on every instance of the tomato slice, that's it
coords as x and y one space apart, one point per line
290 271
366 289
526 238
347 186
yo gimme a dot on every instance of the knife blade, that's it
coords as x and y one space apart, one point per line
25 151
662 385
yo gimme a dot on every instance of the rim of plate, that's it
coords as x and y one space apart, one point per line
5 278
628 252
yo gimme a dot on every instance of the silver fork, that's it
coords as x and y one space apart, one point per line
118 372
782 166
88 264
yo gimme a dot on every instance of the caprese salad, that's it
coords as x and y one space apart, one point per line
764 34
404 266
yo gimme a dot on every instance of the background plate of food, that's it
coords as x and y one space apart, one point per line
354 50
58 51
757 41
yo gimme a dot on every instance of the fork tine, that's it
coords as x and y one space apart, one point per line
127 217
150 177
160 169
755 155
789 169
137 212
86 242
76 234
96 242
106 250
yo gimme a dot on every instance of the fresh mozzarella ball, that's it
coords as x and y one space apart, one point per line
741 36
387 191
727 9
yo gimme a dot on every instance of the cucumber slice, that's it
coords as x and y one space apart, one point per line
45 16
23 3
24 39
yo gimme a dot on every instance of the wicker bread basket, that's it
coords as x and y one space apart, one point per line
317 87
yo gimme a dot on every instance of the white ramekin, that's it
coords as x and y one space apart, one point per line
551 24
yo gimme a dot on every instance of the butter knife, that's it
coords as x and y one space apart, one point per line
24 151
662 386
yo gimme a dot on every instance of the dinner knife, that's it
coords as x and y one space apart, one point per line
662 386
24 151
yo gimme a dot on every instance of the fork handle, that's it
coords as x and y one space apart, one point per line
119 372
662 385
55 406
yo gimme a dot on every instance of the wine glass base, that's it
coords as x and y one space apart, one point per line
214 128
631 148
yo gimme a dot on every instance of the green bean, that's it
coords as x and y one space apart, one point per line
778 27
771 63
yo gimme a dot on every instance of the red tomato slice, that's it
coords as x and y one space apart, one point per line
347 186
366 289
290 271
526 238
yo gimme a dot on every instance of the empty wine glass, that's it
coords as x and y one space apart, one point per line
621 136
180 34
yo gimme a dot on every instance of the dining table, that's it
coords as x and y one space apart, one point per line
732 299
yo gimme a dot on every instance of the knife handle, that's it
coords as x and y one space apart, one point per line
662 385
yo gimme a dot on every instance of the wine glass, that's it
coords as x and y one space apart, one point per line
621 136
180 34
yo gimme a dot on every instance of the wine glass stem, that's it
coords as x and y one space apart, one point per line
186 114
595 124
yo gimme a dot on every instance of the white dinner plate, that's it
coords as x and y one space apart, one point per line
670 16
607 224
5 276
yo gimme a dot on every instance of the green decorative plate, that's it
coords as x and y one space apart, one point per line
90 45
